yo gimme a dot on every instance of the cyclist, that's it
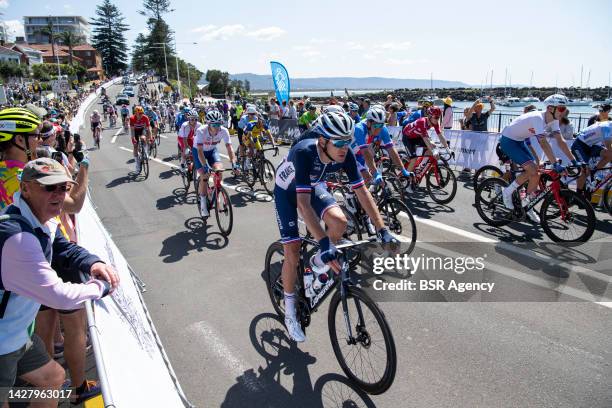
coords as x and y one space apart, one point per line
187 133
140 128
419 113
180 118
253 134
206 155
512 142
416 134
354 111
96 122
112 114
367 132
593 144
249 116
308 117
153 119
125 113
300 185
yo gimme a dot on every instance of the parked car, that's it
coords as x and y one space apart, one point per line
122 99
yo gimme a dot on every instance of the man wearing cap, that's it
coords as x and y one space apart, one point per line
476 119
30 241
602 116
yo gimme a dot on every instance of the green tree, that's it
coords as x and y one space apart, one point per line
139 53
155 8
218 82
109 38
70 39
48 31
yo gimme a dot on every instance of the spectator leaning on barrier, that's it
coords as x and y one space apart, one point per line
275 109
602 116
447 113
392 110
291 111
477 120
566 127
31 242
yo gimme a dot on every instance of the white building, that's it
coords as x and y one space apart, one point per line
33 24
10 55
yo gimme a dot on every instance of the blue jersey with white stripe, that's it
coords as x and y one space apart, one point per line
596 134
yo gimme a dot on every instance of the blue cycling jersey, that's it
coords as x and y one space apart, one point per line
596 134
417 114
303 168
362 139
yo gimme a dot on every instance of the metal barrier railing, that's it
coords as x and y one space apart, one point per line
498 120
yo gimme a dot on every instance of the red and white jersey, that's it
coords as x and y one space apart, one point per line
419 129
209 142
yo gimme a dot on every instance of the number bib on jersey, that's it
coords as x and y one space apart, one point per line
285 174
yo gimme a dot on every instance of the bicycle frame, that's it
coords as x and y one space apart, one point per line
419 173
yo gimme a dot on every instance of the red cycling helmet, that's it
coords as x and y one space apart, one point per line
434 111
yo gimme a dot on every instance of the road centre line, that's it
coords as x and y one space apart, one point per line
116 134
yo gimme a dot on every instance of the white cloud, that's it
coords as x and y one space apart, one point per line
14 28
351 45
397 46
405 61
267 33
204 29
4 3
223 33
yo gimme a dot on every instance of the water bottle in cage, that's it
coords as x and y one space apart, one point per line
308 280
320 279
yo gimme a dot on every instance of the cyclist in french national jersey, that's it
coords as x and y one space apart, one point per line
593 144
512 142
206 155
370 131
186 134
416 134
300 185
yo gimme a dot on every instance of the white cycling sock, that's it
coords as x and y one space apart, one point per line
511 188
290 304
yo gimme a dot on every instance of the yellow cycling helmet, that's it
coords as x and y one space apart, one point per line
139 109
17 120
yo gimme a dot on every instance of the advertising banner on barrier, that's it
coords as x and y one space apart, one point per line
472 149
135 370
281 81
285 130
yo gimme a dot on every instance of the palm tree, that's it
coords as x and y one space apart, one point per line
48 31
70 39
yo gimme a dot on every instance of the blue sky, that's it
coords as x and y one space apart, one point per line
453 40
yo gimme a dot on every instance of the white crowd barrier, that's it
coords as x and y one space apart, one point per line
132 365
79 119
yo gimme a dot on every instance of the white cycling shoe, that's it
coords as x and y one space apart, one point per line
531 214
294 330
507 199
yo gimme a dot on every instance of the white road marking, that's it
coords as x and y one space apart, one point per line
116 134
220 347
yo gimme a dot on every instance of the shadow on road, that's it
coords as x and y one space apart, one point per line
178 197
266 387
196 238
131 177
522 232
165 175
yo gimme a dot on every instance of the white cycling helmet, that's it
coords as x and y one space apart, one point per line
192 114
251 110
556 100
214 116
333 108
376 114
335 126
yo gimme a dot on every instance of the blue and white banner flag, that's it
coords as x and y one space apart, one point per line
281 81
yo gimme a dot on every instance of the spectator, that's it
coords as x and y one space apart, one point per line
300 109
291 111
602 116
32 238
447 113
392 110
463 123
365 106
275 110
307 118
476 119
566 127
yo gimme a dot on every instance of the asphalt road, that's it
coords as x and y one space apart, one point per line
210 305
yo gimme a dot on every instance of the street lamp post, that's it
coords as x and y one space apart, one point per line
189 79
165 59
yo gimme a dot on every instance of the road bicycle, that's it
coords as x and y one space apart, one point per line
565 215
360 335
217 199
157 137
143 158
152 148
96 135
440 180
188 173
259 168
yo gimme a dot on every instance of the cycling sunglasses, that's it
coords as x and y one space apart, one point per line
54 187
340 143
378 125
215 125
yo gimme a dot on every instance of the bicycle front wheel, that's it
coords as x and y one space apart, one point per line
223 212
571 219
267 176
248 173
490 202
398 218
441 186
367 354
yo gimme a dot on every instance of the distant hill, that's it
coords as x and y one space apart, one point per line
264 83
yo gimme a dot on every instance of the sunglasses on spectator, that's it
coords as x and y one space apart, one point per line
561 109
54 187
340 143
378 125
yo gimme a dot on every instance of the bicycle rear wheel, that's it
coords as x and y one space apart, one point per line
441 187
267 176
572 219
223 212
185 176
273 267
153 149
248 173
484 173
607 198
368 356
144 163
490 202
158 138
398 218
